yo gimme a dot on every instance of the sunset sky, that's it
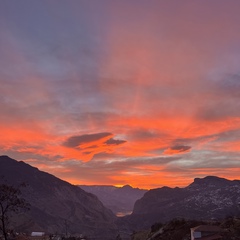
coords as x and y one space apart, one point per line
140 92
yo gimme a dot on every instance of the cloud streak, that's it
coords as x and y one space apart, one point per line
77 141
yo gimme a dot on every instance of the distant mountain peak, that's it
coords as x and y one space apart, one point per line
210 180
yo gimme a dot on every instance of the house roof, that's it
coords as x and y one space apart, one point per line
206 228
213 237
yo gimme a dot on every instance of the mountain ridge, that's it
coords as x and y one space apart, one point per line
56 203
204 199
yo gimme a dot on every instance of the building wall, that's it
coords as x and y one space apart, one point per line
195 235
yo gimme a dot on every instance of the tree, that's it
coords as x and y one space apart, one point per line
10 202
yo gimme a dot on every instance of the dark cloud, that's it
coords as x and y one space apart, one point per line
87 153
90 147
180 148
112 141
75 141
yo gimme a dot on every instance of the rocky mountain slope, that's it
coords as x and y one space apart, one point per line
206 198
56 206
120 200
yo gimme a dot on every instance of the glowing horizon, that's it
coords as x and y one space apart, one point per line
116 93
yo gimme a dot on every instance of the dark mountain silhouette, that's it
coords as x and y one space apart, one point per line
119 199
204 199
56 206
59 207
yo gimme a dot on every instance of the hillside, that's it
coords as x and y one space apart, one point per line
56 206
204 199
179 229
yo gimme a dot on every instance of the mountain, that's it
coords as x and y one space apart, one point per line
119 199
56 205
59 207
207 198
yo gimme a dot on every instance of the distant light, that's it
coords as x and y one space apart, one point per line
118 185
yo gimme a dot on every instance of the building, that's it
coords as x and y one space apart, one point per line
206 232
38 236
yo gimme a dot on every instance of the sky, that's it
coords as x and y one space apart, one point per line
110 92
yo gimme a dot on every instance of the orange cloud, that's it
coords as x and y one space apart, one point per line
146 95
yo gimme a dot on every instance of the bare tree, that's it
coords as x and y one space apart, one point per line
10 202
